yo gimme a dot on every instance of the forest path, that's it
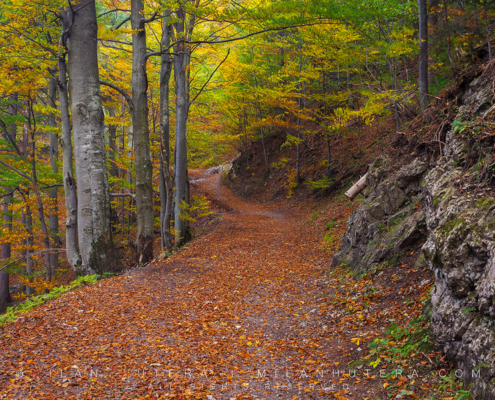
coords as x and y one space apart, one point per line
240 312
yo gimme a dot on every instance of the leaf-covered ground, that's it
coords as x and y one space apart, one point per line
250 310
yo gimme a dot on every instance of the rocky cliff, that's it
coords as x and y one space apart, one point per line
447 207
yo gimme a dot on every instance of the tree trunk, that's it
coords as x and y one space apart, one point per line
71 245
30 128
5 248
265 157
260 115
166 180
53 193
423 53
324 95
142 154
181 175
112 144
487 28
94 232
114 171
449 47
4 290
29 247
5 255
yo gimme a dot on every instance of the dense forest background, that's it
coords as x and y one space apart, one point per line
106 105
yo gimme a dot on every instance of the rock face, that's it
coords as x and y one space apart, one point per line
388 221
456 222
460 249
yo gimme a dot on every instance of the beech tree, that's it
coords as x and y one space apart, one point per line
95 236
142 154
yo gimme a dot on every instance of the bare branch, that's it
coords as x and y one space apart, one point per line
16 171
9 138
121 91
235 39
122 23
209 79
112 11
10 193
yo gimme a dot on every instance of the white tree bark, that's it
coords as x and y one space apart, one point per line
357 188
94 232
71 245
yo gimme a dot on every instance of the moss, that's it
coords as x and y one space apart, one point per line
447 194
378 163
104 257
485 202
489 226
451 225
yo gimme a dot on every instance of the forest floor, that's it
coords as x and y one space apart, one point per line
252 309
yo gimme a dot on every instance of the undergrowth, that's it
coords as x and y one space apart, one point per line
399 345
15 311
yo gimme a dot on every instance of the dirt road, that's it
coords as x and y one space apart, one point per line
240 312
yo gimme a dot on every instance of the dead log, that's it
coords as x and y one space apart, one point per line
357 188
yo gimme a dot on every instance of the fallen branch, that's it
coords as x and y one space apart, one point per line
357 188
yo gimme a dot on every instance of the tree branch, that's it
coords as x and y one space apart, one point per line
112 11
122 23
9 138
17 171
121 91
211 76
282 28
8 194
144 21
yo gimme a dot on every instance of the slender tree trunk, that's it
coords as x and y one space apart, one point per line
142 153
30 128
181 174
94 231
5 248
350 97
324 95
298 150
5 255
29 247
487 28
248 147
53 192
4 290
449 46
70 191
265 157
166 180
113 170
260 115
423 53
112 144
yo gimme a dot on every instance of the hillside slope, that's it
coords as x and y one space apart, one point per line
430 203
448 204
